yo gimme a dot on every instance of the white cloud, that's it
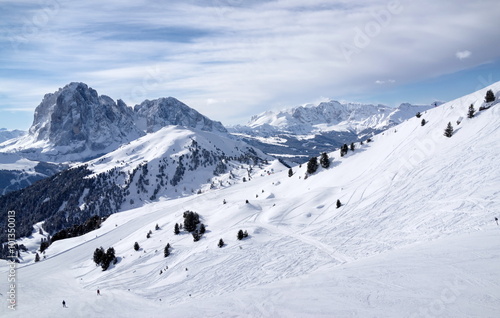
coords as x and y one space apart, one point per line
389 81
463 54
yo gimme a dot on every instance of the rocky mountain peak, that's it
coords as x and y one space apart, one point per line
77 116
170 111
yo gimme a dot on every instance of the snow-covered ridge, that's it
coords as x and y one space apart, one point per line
333 115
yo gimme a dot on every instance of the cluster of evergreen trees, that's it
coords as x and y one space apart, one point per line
449 130
93 223
104 259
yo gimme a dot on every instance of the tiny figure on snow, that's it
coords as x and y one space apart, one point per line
98 293
496 220
64 304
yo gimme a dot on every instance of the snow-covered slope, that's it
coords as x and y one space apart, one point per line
415 236
177 161
9 134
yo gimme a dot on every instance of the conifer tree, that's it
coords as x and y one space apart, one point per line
352 146
176 229
312 165
290 172
448 132
470 113
166 251
202 229
196 236
157 227
44 245
221 243
418 114
98 255
338 204
343 150
136 246
423 122
108 258
37 258
324 160
191 219
490 97
240 235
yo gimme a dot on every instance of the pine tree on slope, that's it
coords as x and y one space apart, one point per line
312 165
448 132
470 113
324 160
490 97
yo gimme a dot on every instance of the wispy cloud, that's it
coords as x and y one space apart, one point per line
461 55
381 82
230 59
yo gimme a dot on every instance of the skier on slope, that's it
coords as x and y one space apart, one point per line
496 220
64 304
98 293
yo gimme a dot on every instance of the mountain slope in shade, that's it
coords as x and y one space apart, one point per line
415 236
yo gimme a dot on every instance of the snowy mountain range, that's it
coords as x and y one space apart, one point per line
402 226
75 124
303 131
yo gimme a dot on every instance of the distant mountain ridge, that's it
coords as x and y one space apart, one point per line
307 130
333 115
10 134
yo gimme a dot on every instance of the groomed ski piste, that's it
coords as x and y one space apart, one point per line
415 237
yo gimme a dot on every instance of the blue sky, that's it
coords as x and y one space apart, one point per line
231 59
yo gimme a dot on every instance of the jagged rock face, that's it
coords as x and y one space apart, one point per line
162 112
76 115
